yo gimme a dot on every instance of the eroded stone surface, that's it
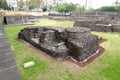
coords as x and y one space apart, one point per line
59 43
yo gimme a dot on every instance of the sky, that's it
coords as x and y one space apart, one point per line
94 3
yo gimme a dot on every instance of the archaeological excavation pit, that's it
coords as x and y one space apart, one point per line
75 44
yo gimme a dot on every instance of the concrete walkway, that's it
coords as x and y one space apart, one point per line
8 67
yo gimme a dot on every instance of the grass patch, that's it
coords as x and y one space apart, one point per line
105 67
40 67
47 22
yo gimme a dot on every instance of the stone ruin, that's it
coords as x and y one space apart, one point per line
98 26
96 21
60 43
20 19
102 22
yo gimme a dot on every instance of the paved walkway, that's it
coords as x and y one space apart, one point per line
8 67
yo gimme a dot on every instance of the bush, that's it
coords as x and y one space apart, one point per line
44 8
109 9
66 7
3 5
80 9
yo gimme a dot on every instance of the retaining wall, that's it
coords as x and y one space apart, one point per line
8 66
98 26
20 19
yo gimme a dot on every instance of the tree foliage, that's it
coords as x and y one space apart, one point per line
109 9
44 8
66 7
3 5
79 9
31 4
117 8
20 4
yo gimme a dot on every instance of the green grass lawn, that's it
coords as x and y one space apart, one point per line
105 67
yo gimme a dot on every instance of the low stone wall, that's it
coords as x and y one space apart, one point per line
111 17
69 18
20 19
116 27
98 26
62 42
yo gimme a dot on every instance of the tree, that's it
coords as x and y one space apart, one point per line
79 9
66 7
32 4
4 5
107 9
44 8
62 8
71 7
117 8
21 4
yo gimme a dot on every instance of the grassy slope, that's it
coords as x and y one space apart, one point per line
105 67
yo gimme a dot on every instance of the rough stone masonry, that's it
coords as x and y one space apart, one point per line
60 43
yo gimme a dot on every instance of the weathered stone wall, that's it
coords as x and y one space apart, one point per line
116 27
98 26
20 19
93 26
84 16
70 18
60 43
111 17
96 21
109 23
80 41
